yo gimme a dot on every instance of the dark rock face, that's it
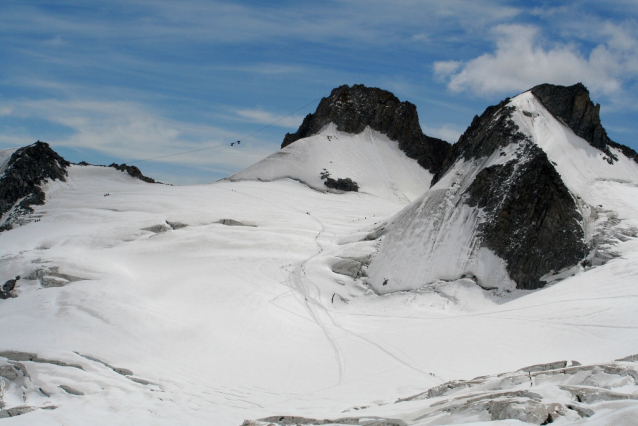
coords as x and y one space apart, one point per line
352 109
531 220
27 169
133 171
573 107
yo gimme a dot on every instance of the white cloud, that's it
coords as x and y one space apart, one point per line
443 69
55 41
521 60
265 117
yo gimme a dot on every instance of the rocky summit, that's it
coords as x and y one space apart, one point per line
353 108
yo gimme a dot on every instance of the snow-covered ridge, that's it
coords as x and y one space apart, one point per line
369 158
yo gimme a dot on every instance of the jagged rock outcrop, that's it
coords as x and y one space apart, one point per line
353 108
573 106
27 169
133 171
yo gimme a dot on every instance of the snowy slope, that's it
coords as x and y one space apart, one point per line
580 164
437 237
371 159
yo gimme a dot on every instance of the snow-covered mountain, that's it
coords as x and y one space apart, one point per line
522 201
270 295
359 133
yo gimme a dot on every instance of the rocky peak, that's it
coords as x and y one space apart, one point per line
573 106
26 170
353 108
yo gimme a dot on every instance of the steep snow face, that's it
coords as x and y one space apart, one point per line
454 229
369 158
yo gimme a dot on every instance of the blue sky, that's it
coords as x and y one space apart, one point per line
119 81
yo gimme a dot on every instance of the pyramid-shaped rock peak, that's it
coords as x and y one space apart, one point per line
353 108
